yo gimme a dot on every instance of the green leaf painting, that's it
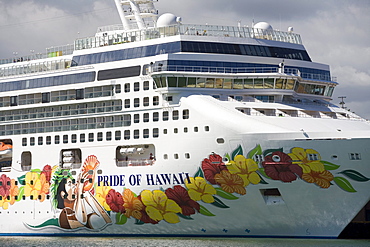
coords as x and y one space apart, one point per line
354 175
344 184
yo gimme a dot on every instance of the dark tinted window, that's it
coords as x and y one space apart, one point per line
118 73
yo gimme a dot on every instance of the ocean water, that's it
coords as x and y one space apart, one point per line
181 242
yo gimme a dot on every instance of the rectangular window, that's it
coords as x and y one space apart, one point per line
118 88
91 137
100 136
146 117
80 93
175 115
118 135
127 87
48 140
82 137
136 102
185 114
146 85
40 140
74 138
146 133
127 103
136 134
13 100
146 101
155 132
45 98
24 141
155 100
155 116
136 118
165 116
65 138
56 139
127 120
110 74
127 135
136 86
108 136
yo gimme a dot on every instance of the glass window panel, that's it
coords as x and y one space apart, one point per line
228 83
201 82
258 83
269 83
210 82
238 84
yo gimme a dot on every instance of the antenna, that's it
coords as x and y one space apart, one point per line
342 102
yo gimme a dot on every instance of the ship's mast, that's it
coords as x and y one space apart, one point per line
137 14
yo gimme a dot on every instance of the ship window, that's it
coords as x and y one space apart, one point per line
165 156
127 135
136 86
136 134
13 100
108 136
155 100
118 135
175 115
355 156
74 138
100 136
26 161
45 97
24 142
176 156
32 141
127 103
272 196
175 130
146 133
48 140
110 74
165 116
80 93
220 140
146 85
65 139
195 129
118 88
172 81
91 137
146 117
155 132
155 116
186 130
187 155
126 120
185 114
136 118
82 137
206 128
192 81
146 101
40 140
165 131
127 87
136 102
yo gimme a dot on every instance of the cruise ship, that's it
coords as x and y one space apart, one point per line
155 127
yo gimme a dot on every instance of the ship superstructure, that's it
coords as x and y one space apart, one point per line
156 127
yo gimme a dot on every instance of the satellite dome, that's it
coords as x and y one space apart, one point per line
166 20
263 25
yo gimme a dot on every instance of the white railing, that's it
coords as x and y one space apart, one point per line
138 162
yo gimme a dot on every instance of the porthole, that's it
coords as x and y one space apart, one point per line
220 140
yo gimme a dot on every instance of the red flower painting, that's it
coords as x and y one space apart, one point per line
279 166
115 201
180 195
4 185
212 166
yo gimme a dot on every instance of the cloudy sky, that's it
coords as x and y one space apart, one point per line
334 32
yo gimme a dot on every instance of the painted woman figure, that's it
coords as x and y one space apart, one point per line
79 207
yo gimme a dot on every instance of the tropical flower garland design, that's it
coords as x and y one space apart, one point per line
217 179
